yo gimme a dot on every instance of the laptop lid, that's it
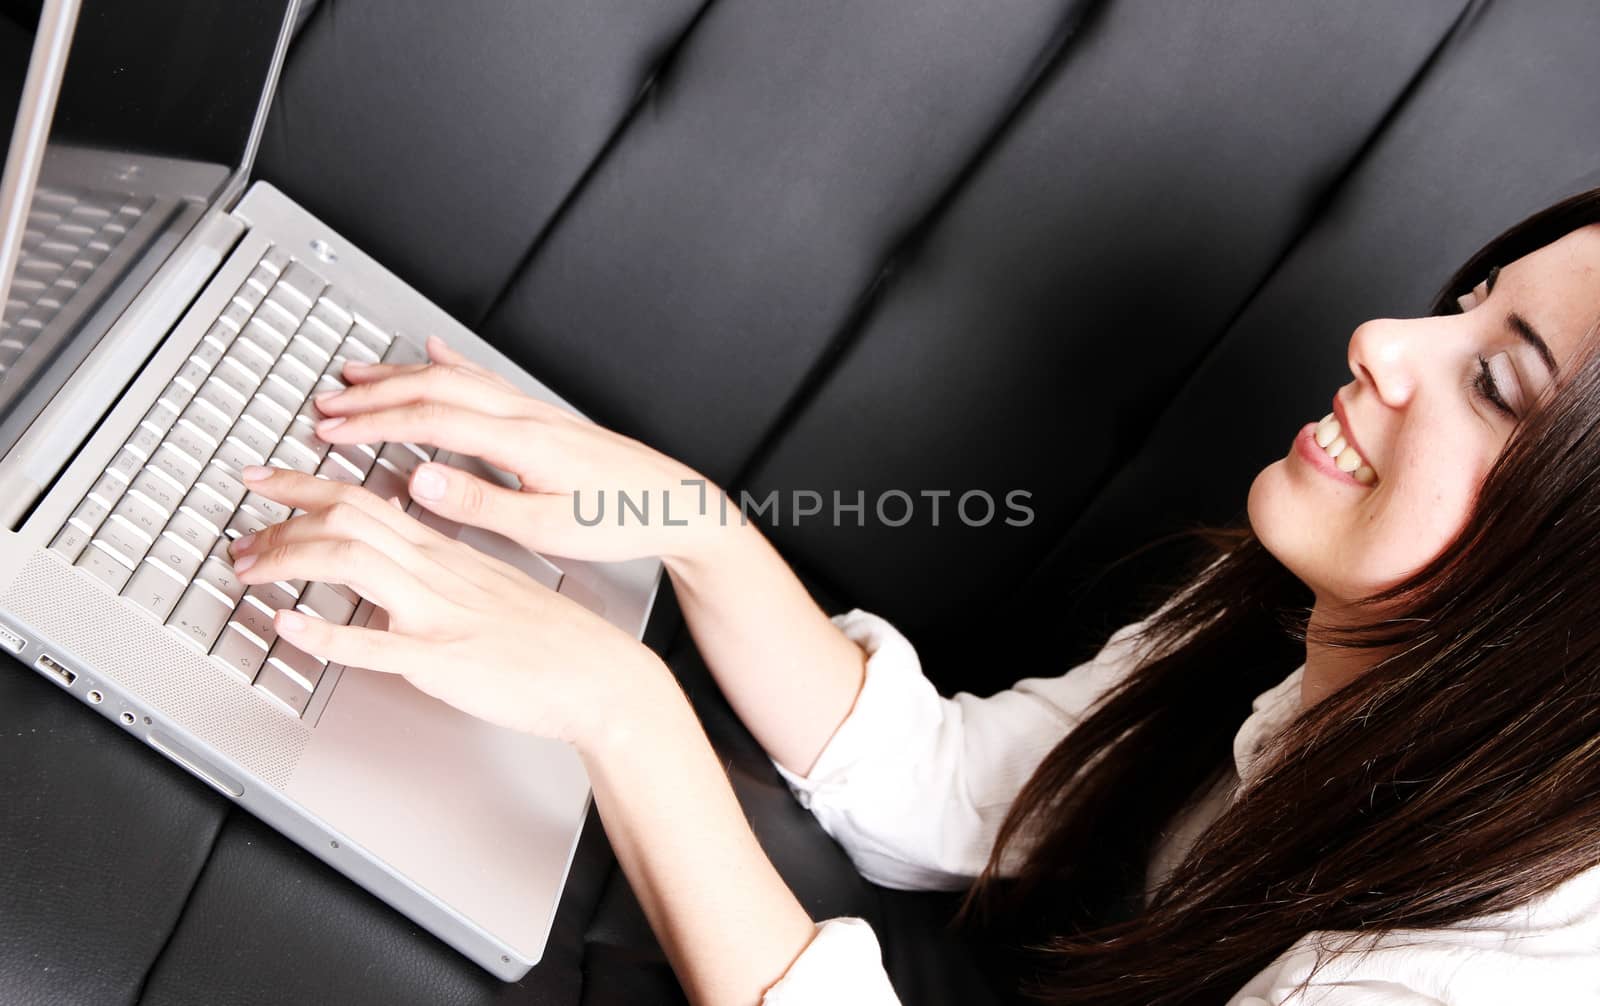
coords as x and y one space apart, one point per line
134 119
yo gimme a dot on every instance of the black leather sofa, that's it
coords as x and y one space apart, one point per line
1109 253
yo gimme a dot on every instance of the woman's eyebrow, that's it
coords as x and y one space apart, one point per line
1523 330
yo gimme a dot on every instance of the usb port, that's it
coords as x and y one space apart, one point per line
48 664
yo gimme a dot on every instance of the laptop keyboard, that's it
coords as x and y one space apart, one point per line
156 525
67 237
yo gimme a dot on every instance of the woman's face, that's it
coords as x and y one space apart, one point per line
1418 429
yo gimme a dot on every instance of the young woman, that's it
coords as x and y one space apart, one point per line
1411 815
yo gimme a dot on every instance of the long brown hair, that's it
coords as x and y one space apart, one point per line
1459 776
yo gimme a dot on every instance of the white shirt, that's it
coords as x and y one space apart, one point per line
914 786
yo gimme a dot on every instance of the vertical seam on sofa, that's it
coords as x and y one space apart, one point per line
1049 56
651 84
1318 210
188 899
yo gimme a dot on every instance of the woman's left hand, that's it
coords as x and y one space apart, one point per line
463 627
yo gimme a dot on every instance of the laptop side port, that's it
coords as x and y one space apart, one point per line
50 666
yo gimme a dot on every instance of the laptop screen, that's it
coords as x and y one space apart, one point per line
154 115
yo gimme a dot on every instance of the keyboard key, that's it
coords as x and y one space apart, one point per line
293 454
308 354
122 540
336 470
209 352
283 394
125 465
191 375
386 484
253 435
300 282
108 489
157 489
144 515
162 415
223 484
245 522
269 415
89 514
154 589
69 542
217 572
283 313
235 316
257 620
271 596
233 456
194 443
234 380
358 457
332 603
176 465
192 531
207 419
398 459
239 652
405 351
354 349
102 566
177 555
296 663
145 440
208 507
282 689
199 617
268 510
252 354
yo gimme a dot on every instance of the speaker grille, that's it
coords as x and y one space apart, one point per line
91 629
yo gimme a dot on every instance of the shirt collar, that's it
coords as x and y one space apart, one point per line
1268 712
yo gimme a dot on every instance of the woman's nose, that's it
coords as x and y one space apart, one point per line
1383 356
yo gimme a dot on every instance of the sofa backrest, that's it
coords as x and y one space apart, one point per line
1107 253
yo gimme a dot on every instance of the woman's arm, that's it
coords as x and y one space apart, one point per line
790 675
479 635
726 920
787 670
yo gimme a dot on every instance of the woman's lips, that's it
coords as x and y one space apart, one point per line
1305 445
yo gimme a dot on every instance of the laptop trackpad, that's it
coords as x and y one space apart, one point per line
488 542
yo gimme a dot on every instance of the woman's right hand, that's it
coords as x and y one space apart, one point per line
566 464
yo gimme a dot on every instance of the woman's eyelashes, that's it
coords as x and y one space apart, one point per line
1488 386
1472 298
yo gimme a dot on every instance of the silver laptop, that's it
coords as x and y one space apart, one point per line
165 325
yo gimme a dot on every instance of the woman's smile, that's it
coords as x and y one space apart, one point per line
1315 454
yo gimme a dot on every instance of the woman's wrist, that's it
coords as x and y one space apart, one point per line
633 697
721 535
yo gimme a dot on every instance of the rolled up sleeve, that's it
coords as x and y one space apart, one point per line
913 785
842 964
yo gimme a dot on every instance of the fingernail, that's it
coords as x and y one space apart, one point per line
241 544
243 563
255 473
290 621
427 483
329 423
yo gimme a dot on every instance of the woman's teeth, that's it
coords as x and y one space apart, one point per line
1331 439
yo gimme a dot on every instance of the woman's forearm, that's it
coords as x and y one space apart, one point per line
728 923
788 672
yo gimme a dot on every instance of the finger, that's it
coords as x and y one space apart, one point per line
505 442
307 492
357 372
440 351
337 521
355 563
351 645
434 383
467 499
